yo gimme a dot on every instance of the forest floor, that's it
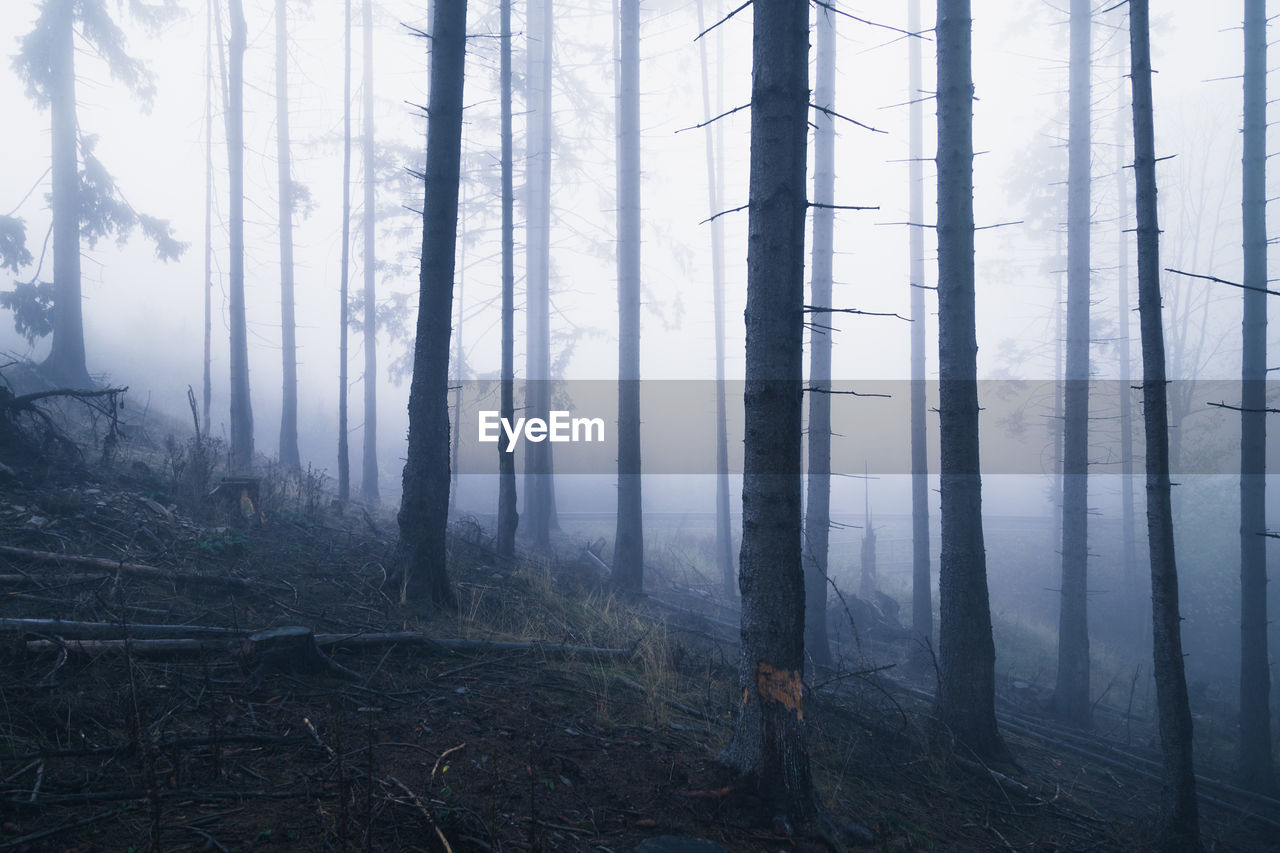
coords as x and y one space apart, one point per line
409 744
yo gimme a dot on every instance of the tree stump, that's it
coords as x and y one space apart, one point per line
291 650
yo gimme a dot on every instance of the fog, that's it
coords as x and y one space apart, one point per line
144 318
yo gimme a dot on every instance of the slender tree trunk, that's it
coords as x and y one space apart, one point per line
768 742
724 533
966 698
507 517
1257 770
459 358
921 582
207 387
369 460
1181 825
424 506
241 406
538 494
289 348
1128 526
1071 696
66 360
628 548
817 520
344 287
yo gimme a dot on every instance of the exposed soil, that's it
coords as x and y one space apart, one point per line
488 749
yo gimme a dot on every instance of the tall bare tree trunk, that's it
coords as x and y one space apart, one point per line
66 360
768 741
1128 525
424 506
817 520
1257 769
507 517
344 287
241 406
369 457
628 547
207 396
724 533
921 582
966 696
1181 824
539 496
289 348
1071 695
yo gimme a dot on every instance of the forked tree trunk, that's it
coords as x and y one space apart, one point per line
1257 770
369 457
1181 824
817 519
1071 695
966 696
921 581
424 507
724 533
628 545
507 517
344 287
241 407
288 344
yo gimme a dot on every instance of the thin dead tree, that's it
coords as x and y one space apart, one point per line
369 456
507 516
241 405
344 287
289 456
1180 828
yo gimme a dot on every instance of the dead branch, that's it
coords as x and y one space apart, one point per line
113 567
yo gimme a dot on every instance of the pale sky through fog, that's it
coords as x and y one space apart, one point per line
144 319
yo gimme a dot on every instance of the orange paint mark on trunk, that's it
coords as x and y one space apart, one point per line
780 685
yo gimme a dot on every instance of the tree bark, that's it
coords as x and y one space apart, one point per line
921 581
1071 695
369 457
508 519
289 349
768 743
966 696
344 287
424 506
817 520
1180 829
241 405
628 545
1257 769
724 532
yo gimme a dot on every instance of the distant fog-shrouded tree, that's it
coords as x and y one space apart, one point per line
207 394
768 746
921 582
1257 769
344 286
241 404
369 456
1128 522
1181 824
424 505
508 519
966 695
628 547
288 332
1071 695
817 520
724 533
84 200
539 492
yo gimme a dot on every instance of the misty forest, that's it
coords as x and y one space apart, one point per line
679 425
